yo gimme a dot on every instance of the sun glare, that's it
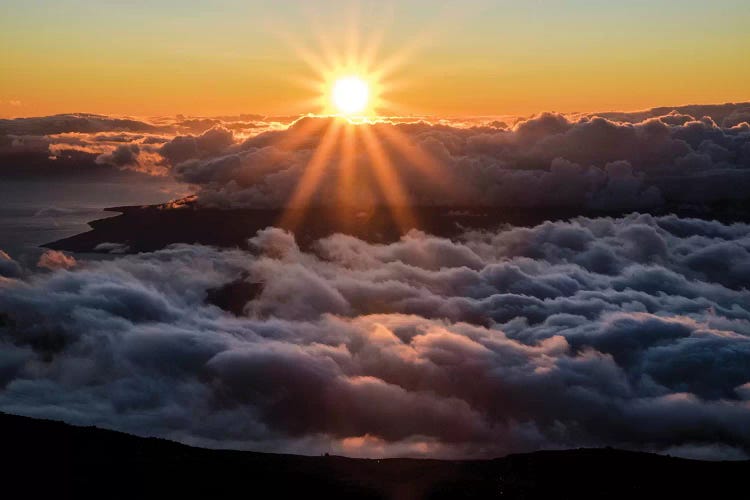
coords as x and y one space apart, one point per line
360 152
350 95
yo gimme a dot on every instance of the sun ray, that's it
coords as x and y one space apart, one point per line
353 37
300 49
416 155
352 81
395 197
310 179
395 61
371 50
300 131
346 167
332 57
433 170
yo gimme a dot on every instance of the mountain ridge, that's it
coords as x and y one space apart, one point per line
46 457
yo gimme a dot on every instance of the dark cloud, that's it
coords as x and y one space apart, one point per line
630 332
9 268
84 123
123 156
210 142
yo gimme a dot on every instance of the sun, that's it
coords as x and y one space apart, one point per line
360 153
350 95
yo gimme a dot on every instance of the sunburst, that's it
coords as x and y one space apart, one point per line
358 144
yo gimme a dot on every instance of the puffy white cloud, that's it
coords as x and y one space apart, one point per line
630 332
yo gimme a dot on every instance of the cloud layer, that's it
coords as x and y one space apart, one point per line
688 156
87 146
618 161
630 332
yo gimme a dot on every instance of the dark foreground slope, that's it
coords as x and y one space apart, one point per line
43 458
149 228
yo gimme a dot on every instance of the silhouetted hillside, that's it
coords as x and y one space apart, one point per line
149 228
43 458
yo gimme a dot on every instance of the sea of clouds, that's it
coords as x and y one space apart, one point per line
631 332
689 155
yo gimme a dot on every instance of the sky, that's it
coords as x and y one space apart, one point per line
468 58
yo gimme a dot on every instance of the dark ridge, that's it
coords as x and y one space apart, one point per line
149 228
43 458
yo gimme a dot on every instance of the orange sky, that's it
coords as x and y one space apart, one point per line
476 57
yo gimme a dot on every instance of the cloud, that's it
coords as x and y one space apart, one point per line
689 156
53 259
185 147
81 122
616 161
80 155
112 247
102 146
630 332
122 156
9 268
719 113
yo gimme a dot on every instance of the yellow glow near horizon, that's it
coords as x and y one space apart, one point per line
350 95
